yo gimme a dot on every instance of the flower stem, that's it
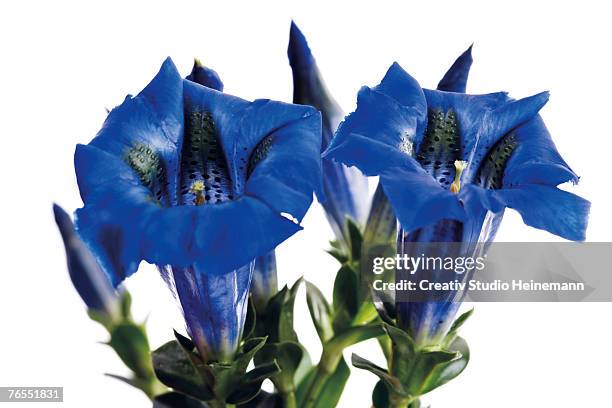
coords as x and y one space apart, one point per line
289 400
330 357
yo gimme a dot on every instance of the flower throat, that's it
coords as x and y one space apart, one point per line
204 175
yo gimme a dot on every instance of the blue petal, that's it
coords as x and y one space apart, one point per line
380 118
455 79
345 189
290 172
403 88
536 159
418 200
484 119
214 307
549 208
87 277
220 237
117 208
290 168
205 76
154 118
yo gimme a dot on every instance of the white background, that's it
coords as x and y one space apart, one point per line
63 63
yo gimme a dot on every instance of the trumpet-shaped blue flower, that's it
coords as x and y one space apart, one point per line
89 280
199 183
264 282
450 163
346 189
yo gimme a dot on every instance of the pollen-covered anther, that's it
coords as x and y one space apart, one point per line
197 189
460 165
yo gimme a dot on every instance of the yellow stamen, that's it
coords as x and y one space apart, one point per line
460 165
197 188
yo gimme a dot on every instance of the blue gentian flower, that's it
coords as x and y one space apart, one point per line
450 163
199 183
89 280
346 189
264 282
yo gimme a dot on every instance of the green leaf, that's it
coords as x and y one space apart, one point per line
346 303
250 321
278 318
332 389
134 382
403 353
249 385
176 400
244 394
452 332
264 400
355 239
392 383
175 369
355 335
243 359
261 373
288 356
380 395
126 305
131 345
338 254
320 312
445 371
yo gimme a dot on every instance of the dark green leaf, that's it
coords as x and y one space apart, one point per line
175 369
243 394
338 254
260 373
249 348
264 400
390 381
285 324
249 323
380 395
320 312
185 342
355 239
346 303
176 400
278 318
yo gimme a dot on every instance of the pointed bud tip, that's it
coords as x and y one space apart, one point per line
298 51
62 219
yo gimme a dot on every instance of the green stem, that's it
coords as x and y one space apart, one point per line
316 387
330 357
412 402
289 400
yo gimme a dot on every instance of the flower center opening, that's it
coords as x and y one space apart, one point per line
204 174
441 146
